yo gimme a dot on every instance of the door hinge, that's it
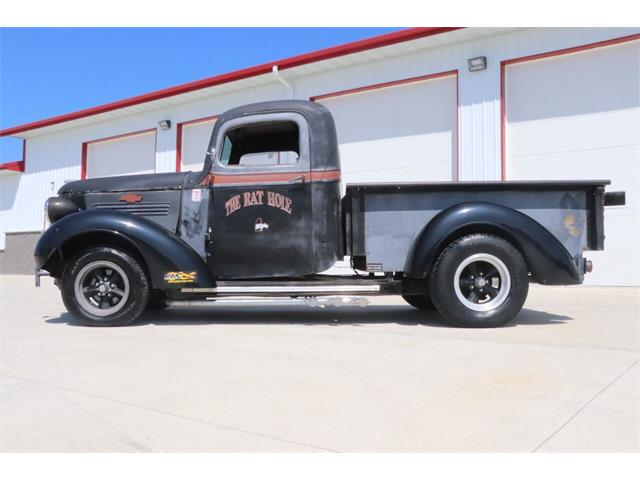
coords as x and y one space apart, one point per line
208 237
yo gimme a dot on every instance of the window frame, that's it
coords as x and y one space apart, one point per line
304 158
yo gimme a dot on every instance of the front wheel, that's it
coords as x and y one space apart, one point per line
104 287
479 280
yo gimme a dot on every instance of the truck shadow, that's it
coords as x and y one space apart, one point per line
343 316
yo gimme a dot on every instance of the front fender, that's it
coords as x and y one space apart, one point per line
548 260
162 250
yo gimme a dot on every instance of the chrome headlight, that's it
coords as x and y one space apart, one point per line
46 210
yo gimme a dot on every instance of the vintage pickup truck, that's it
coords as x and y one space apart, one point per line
266 216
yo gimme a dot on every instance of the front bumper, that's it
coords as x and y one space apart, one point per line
40 273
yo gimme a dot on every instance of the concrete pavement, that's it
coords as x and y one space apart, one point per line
564 376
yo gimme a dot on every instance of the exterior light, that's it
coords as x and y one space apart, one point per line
477 63
164 124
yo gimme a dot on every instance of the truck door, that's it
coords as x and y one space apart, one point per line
260 194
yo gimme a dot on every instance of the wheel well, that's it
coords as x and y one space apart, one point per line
479 229
84 241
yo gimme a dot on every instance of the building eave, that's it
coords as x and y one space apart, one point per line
265 68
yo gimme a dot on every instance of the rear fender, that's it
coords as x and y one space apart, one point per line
548 260
161 250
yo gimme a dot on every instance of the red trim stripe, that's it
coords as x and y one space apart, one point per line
265 68
85 146
530 58
258 178
324 176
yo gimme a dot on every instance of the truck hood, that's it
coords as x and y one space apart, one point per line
154 181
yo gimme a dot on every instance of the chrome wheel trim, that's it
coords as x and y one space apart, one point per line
97 296
487 296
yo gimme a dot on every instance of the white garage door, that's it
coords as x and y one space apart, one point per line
405 132
194 143
577 116
122 155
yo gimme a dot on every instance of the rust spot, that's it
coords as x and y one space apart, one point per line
130 198
569 224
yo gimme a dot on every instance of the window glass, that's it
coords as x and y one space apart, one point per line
226 151
261 144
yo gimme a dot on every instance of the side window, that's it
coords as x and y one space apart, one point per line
261 144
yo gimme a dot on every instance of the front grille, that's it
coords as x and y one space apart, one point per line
146 209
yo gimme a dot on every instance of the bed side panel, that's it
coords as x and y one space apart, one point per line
392 220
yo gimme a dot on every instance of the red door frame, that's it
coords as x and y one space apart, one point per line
538 56
85 146
404 81
179 128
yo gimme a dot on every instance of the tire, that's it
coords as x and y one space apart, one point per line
157 301
104 287
479 280
421 302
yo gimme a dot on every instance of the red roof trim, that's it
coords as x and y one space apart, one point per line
13 166
291 62
19 165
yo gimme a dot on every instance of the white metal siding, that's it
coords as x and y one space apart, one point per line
130 155
577 116
195 140
405 132
54 155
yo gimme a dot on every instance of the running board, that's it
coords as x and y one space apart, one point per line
337 301
287 290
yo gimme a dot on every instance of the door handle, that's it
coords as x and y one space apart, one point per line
298 179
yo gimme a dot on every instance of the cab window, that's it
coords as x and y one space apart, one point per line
261 144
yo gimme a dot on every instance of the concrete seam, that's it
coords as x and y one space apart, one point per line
605 388
163 412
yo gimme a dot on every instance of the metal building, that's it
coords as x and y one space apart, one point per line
422 104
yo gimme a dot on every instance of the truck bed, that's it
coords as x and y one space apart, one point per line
382 220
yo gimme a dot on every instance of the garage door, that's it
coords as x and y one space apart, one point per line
397 132
122 155
194 138
577 116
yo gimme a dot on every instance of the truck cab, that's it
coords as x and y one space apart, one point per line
273 193
265 217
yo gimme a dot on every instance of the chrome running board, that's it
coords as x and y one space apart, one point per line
322 302
286 290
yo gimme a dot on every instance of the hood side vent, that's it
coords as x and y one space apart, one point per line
147 209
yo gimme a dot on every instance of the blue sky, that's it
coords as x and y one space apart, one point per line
50 71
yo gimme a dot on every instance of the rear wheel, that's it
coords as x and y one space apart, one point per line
421 302
479 280
104 287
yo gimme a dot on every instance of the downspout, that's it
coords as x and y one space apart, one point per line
276 72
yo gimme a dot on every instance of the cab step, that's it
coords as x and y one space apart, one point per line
315 287
321 302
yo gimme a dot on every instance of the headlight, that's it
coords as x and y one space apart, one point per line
57 207
46 210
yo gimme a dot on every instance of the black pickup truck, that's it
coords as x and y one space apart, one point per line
265 217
